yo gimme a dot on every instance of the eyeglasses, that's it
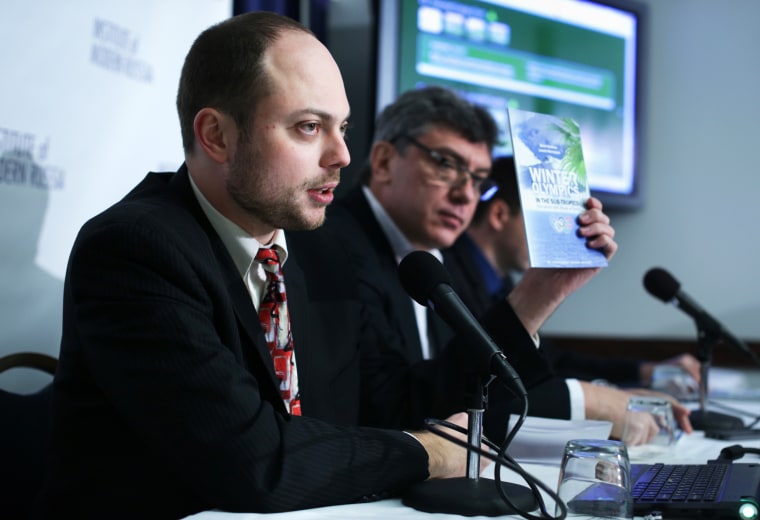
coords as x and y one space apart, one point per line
451 171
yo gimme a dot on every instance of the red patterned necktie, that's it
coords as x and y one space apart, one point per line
273 314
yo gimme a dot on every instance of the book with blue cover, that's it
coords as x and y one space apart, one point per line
551 175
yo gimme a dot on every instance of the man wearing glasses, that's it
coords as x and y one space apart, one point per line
428 166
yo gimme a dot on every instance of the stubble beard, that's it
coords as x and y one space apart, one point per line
254 191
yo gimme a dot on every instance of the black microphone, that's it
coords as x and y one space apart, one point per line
429 284
426 280
661 284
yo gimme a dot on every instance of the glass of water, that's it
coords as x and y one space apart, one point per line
595 479
649 420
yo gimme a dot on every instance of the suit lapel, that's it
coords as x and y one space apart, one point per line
295 285
248 320
406 319
252 339
403 314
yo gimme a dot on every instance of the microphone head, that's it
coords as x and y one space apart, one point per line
661 284
420 273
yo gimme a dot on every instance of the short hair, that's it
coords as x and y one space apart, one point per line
224 69
504 176
417 111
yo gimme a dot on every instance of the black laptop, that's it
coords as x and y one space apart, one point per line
709 490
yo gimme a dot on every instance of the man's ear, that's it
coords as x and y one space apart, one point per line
214 133
498 214
380 156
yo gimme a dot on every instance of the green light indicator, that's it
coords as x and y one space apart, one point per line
748 511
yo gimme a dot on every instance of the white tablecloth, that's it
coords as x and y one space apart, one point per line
694 448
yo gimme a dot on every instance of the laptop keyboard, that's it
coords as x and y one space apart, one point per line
679 483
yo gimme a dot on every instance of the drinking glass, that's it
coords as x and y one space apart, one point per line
595 479
649 421
675 381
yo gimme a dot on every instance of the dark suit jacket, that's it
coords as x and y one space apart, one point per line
566 363
400 364
165 400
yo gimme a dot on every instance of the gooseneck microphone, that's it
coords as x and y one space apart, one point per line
426 280
661 284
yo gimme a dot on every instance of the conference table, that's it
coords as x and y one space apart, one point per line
689 449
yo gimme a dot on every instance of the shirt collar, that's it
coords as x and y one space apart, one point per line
399 243
241 246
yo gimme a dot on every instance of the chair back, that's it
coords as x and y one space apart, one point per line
25 420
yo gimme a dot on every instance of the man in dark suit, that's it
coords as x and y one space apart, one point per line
166 400
484 259
428 166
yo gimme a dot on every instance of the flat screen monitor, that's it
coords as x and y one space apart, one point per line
569 58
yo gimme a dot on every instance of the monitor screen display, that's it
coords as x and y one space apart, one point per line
568 58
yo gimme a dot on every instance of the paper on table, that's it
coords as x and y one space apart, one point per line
542 440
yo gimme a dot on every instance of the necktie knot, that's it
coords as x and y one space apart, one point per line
268 257
270 262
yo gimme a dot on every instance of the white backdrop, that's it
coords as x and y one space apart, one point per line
87 108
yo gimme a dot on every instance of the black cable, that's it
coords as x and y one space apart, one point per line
503 459
503 454
531 484
734 452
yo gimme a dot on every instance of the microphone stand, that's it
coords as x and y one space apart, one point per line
471 495
704 419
